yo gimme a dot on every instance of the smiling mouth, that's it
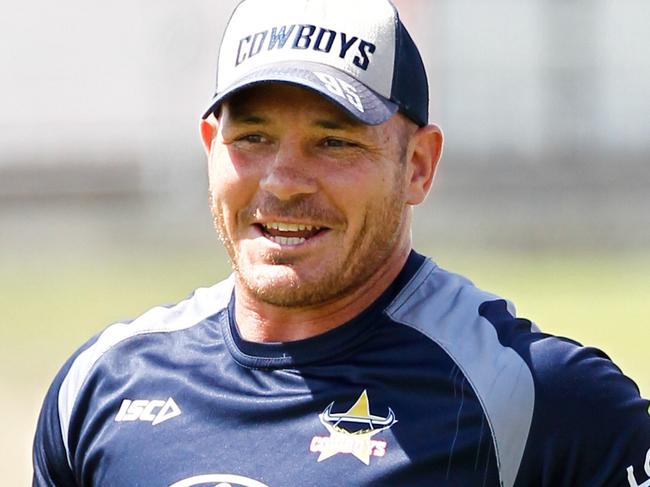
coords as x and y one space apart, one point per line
289 234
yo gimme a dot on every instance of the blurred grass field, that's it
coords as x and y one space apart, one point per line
52 302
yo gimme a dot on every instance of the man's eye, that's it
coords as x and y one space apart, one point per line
331 142
252 138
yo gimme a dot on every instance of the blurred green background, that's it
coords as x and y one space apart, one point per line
543 194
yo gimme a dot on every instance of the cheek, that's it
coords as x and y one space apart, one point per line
354 204
370 188
231 189
220 170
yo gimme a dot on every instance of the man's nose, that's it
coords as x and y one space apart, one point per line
289 174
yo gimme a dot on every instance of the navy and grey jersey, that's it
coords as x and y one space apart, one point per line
437 383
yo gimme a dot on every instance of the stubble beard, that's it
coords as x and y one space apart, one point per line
371 249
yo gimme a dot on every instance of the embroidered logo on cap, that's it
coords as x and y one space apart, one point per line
306 36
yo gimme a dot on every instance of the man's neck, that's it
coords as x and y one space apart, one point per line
262 322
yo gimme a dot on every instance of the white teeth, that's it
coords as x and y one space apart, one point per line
287 240
288 227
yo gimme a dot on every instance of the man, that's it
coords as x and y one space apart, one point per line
335 354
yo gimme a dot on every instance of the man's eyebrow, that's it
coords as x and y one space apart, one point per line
337 123
246 117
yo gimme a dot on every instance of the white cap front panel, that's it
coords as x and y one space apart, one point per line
355 36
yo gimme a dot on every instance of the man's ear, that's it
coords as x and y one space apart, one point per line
424 151
208 127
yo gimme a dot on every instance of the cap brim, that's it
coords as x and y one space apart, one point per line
337 86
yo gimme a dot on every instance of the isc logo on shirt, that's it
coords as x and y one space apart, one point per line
154 412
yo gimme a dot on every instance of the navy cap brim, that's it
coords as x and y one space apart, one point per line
352 96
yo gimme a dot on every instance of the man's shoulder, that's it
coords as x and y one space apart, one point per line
436 300
152 334
199 305
542 394
476 326
449 310
157 321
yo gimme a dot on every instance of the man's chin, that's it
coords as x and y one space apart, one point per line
283 285
264 279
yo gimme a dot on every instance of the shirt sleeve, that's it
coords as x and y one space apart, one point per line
590 426
49 456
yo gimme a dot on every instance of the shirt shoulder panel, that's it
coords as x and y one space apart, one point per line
203 303
445 308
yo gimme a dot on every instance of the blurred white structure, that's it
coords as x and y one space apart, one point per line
544 104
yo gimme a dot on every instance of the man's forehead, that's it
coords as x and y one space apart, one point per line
256 103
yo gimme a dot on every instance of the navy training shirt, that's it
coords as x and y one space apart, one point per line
435 384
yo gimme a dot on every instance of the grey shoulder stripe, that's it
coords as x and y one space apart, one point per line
202 304
444 307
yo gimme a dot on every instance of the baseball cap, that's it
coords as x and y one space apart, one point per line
356 53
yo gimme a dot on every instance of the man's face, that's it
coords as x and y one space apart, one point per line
309 203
